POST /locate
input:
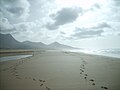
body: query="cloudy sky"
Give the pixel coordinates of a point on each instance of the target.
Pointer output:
(79, 23)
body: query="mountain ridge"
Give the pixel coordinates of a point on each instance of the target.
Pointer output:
(35, 44)
(57, 45)
(7, 41)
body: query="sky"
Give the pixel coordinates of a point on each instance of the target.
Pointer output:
(80, 23)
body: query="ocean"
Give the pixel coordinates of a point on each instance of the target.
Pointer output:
(103, 52)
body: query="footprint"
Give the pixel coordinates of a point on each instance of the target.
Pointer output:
(83, 68)
(91, 80)
(85, 74)
(34, 79)
(29, 77)
(15, 72)
(80, 72)
(41, 84)
(16, 75)
(43, 80)
(80, 69)
(93, 84)
(104, 87)
(40, 80)
(26, 78)
(18, 78)
(84, 62)
(85, 77)
(47, 88)
(4, 70)
(83, 65)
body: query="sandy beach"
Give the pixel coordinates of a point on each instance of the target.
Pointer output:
(61, 70)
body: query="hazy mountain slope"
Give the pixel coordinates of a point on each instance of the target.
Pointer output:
(35, 44)
(7, 41)
(57, 45)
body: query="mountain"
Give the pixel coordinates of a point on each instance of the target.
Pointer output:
(56, 45)
(35, 44)
(8, 42)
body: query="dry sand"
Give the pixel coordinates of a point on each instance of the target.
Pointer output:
(59, 70)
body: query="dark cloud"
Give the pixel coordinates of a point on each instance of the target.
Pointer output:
(117, 2)
(115, 11)
(27, 28)
(51, 26)
(5, 25)
(64, 16)
(22, 27)
(95, 31)
(101, 26)
(62, 33)
(83, 33)
(39, 9)
(15, 10)
(95, 6)
(22, 15)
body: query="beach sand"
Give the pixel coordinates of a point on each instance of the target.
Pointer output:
(61, 70)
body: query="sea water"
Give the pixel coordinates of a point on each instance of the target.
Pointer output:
(103, 52)
(6, 58)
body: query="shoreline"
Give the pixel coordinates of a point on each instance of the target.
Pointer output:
(61, 70)
(15, 52)
(99, 54)
(4, 53)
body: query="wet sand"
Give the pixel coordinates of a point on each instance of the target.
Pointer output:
(15, 52)
(61, 70)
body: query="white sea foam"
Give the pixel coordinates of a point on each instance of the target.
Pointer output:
(104, 52)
